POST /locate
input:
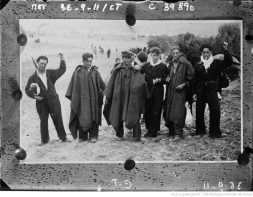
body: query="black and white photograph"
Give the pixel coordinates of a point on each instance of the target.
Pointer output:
(99, 91)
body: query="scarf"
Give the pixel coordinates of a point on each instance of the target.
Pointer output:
(128, 66)
(208, 62)
(154, 64)
(87, 67)
(175, 65)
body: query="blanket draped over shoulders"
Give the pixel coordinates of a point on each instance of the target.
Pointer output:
(85, 91)
(126, 98)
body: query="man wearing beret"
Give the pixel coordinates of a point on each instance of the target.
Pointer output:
(85, 92)
(125, 93)
(40, 86)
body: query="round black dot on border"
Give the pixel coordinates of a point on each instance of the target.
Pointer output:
(22, 39)
(20, 154)
(237, 2)
(130, 20)
(129, 164)
(249, 37)
(243, 159)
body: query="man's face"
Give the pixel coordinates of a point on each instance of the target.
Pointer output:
(88, 62)
(176, 55)
(137, 61)
(42, 65)
(165, 57)
(206, 53)
(155, 57)
(127, 60)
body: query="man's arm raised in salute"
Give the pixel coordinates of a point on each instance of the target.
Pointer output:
(57, 73)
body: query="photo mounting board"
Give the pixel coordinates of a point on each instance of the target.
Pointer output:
(167, 176)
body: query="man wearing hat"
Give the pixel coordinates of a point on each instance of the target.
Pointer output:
(85, 91)
(125, 93)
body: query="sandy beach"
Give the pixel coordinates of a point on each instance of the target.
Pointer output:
(108, 149)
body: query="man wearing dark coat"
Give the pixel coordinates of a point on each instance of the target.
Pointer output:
(155, 75)
(85, 91)
(205, 89)
(125, 94)
(40, 86)
(180, 74)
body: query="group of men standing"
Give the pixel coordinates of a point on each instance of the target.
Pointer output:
(135, 87)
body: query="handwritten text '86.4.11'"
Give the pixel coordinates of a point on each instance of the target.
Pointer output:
(91, 7)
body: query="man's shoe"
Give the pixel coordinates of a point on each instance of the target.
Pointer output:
(93, 140)
(138, 139)
(200, 134)
(82, 140)
(177, 138)
(171, 135)
(181, 135)
(42, 143)
(216, 136)
(65, 140)
(153, 135)
(120, 138)
(147, 135)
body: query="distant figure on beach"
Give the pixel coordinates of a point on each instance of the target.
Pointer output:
(117, 62)
(95, 51)
(109, 53)
(101, 50)
(41, 87)
(85, 91)
(125, 93)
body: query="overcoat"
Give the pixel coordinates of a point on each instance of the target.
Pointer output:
(174, 105)
(85, 91)
(126, 97)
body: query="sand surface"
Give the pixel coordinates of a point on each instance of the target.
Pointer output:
(72, 39)
(108, 148)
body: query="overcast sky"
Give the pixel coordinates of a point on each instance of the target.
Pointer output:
(119, 27)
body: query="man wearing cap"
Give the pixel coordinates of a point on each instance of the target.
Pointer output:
(40, 86)
(180, 74)
(85, 91)
(125, 94)
(155, 74)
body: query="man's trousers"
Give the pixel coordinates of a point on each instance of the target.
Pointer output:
(136, 130)
(52, 107)
(209, 96)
